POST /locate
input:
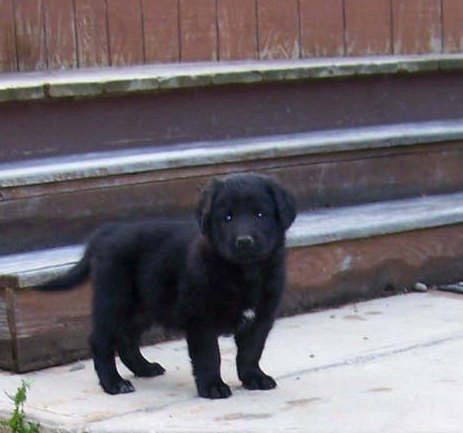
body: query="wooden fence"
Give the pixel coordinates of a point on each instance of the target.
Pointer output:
(52, 34)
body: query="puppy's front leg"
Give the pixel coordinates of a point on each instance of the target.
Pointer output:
(203, 348)
(250, 342)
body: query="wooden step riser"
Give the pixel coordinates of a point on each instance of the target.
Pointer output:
(36, 129)
(56, 214)
(48, 329)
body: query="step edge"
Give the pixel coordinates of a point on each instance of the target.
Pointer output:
(434, 211)
(92, 82)
(142, 160)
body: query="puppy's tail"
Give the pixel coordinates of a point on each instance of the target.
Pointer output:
(76, 275)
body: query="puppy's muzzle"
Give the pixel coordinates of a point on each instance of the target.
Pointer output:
(244, 242)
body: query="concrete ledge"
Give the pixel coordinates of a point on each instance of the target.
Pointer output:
(376, 219)
(310, 229)
(75, 167)
(388, 365)
(97, 82)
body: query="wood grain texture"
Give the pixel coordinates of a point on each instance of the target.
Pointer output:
(60, 33)
(452, 19)
(30, 35)
(92, 33)
(278, 29)
(417, 26)
(160, 30)
(8, 59)
(322, 28)
(7, 355)
(237, 26)
(343, 271)
(198, 30)
(368, 27)
(125, 32)
(51, 328)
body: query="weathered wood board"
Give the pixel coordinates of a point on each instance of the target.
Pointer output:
(68, 34)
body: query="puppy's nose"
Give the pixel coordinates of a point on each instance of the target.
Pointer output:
(244, 242)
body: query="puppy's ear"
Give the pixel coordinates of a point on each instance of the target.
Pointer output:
(203, 210)
(285, 204)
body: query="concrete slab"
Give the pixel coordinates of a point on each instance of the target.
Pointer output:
(128, 79)
(387, 365)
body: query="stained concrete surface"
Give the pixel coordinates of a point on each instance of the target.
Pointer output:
(387, 365)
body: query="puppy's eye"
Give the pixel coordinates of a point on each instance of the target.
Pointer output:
(228, 217)
(259, 214)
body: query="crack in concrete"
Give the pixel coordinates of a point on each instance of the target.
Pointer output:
(363, 359)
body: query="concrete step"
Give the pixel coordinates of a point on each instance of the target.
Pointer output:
(387, 365)
(334, 255)
(323, 169)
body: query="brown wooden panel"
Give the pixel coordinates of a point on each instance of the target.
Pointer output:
(278, 29)
(92, 33)
(90, 125)
(368, 27)
(452, 18)
(160, 26)
(30, 35)
(322, 28)
(8, 61)
(60, 33)
(417, 26)
(7, 358)
(359, 269)
(51, 328)
(125, 32)
(198, 30)
(237, 29)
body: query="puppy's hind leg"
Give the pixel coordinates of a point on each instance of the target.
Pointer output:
(110, 291)
(105, 367)
(129, 352)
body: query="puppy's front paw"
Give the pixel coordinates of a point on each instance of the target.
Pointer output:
(258, 380)
(216, 389)
(120, 387)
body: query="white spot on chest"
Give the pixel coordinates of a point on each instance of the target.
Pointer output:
(248, 315)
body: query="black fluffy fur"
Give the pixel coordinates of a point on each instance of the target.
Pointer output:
(224, 277)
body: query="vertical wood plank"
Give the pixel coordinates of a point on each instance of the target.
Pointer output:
(368, 27)
(322, 28)
(452, 18)
(198, 30)
(60, 33)
(125, 32)
(30, 35)
(278, 24)
(237, 29)
(92, 36)
(160, 24)
(417, 26)
(8, 61)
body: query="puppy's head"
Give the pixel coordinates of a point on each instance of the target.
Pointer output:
(245, 216)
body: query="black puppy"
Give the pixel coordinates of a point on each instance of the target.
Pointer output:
(226, 277)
